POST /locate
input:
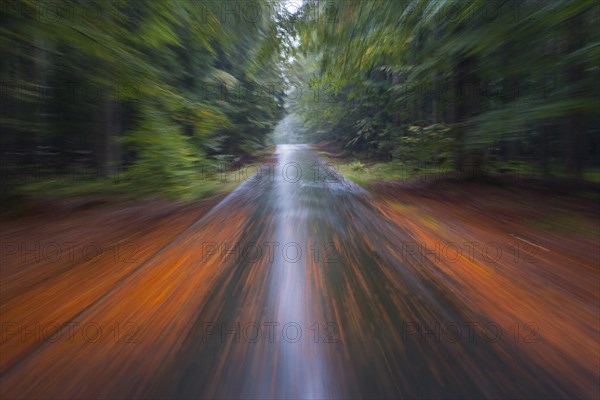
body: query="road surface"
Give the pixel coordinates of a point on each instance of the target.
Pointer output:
(293, 286)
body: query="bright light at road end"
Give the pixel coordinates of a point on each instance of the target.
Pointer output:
(292, 5)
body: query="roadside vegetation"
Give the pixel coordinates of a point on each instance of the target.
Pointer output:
(130, 98)
(482, 88)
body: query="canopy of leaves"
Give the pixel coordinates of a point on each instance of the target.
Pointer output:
(165, 86)
(484, 73)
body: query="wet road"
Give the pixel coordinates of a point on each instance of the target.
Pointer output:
(294, 286)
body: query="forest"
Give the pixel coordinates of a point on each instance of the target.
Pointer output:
(299, 199)
(155, 89)
(163, 90)
(468, 84)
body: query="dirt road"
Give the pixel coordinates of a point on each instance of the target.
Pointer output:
(298, 284)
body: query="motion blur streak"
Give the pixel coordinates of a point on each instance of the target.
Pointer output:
(375, 297)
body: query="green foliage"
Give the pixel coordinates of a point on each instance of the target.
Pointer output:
(159, 86)
(431, 80)
(431, 144)
(356, 166)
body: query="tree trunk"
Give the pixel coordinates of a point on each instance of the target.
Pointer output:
(437, 102)
(575, 131)
(107, 147)
(467, 105)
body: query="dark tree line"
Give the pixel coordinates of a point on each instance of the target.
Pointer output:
(465, 83)
(166, 86)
